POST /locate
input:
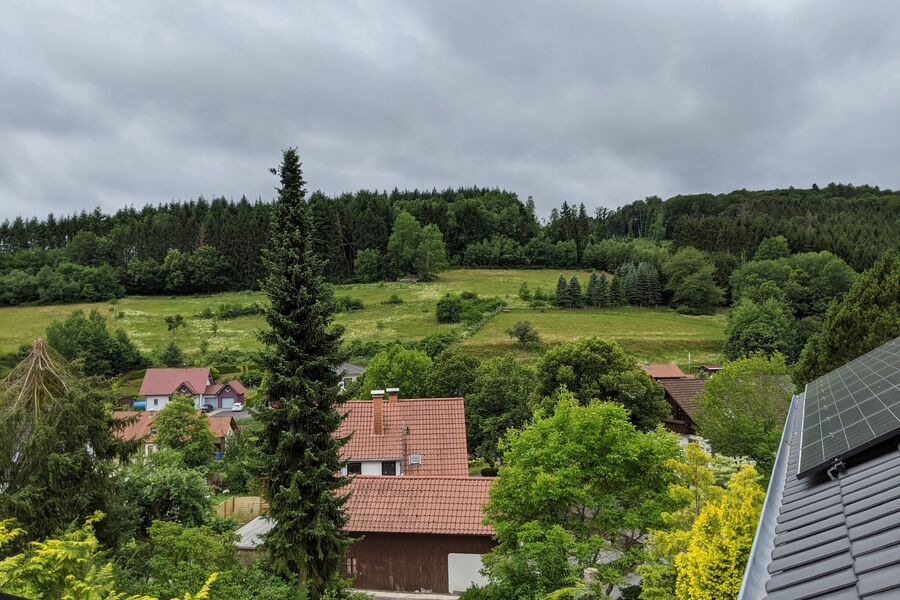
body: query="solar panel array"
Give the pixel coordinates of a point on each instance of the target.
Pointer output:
(851, 409)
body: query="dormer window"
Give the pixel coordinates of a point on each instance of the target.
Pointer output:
(354, 468)
(388, 468)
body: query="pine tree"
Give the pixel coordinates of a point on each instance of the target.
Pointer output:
(617, 292)
(300, 463)
(574, 293)
(603, 291)
(593, 289)
(172, 356)
(562, 292)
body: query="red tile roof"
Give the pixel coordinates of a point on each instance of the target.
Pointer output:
(436, 429)
(137, 430)
(435, 505)
(221, 425)
(663, 370)
(141, 428)
(162, 382)
(685, 393)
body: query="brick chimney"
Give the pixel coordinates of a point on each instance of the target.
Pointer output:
(377, 418)
(393, 394)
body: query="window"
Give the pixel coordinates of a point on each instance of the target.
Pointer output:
(354, 468)
(389, 468)
(156, 402)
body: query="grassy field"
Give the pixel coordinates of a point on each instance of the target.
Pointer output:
(650, 334)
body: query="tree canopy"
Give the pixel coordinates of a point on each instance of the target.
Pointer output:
(595, 369)
(868, 316)
(575, 484)
(743, 408)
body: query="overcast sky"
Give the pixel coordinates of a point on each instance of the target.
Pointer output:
(126, 102)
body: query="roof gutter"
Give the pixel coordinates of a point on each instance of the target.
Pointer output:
(756, 574)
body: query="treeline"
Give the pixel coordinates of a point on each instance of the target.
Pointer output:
(201, 246)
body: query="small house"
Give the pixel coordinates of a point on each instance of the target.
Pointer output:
(159, 385)
(142, 428)
(393, 436)
(348, 373)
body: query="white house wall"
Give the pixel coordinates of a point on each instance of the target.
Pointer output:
(156, 402)
(463, 570)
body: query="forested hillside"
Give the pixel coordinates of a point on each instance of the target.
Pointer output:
(206, 246)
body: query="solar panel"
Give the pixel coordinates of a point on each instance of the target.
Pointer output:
(851, 409)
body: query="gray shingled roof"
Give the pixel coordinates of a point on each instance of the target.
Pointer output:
(819, 538)
(349, 369)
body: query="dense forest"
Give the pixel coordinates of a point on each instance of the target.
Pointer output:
(206, 246)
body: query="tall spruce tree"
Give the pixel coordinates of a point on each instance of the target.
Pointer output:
(562, 292)
(593, 288)
(574, 293)
(603, 290)
(300, 464)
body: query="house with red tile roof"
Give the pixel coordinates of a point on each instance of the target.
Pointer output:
(415, 511)
(414, 533)
(140, 427)
(414, 437)
(158, 386)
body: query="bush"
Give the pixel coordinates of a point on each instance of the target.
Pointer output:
(394, 299)
(449, 309)
(251, 378)
(467, 295)
(232, 311)
(476, 593)
(695, 310)
(434, 344)
(346, 304)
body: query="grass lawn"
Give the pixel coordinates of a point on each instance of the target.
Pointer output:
(658, 335)
(649, 334)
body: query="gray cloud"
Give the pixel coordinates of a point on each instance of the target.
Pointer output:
(115, 103)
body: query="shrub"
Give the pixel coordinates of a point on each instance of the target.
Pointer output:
(394, 299)
(346, 304)
(467, 295)
(251, 378)
(434, 344)
(232, 311)
(449, 309)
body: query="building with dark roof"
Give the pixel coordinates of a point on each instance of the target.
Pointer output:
(683, 398)
(830, 525)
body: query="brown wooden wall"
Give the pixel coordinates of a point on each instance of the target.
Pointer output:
(407, 562)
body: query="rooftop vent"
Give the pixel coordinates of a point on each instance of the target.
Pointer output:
(415, 459)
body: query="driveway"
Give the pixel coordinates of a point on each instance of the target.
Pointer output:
(238, 416)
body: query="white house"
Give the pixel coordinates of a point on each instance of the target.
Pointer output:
(159, 385)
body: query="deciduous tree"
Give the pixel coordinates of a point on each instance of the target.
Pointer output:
(868, 316)
(499, 401)
(576, 485)
(744, 406)
(594, 369)
(398, 367)
(180, 426)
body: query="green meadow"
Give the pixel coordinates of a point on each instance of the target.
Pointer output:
(652, 334)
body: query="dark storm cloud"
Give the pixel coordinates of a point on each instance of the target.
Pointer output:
(115, 103)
